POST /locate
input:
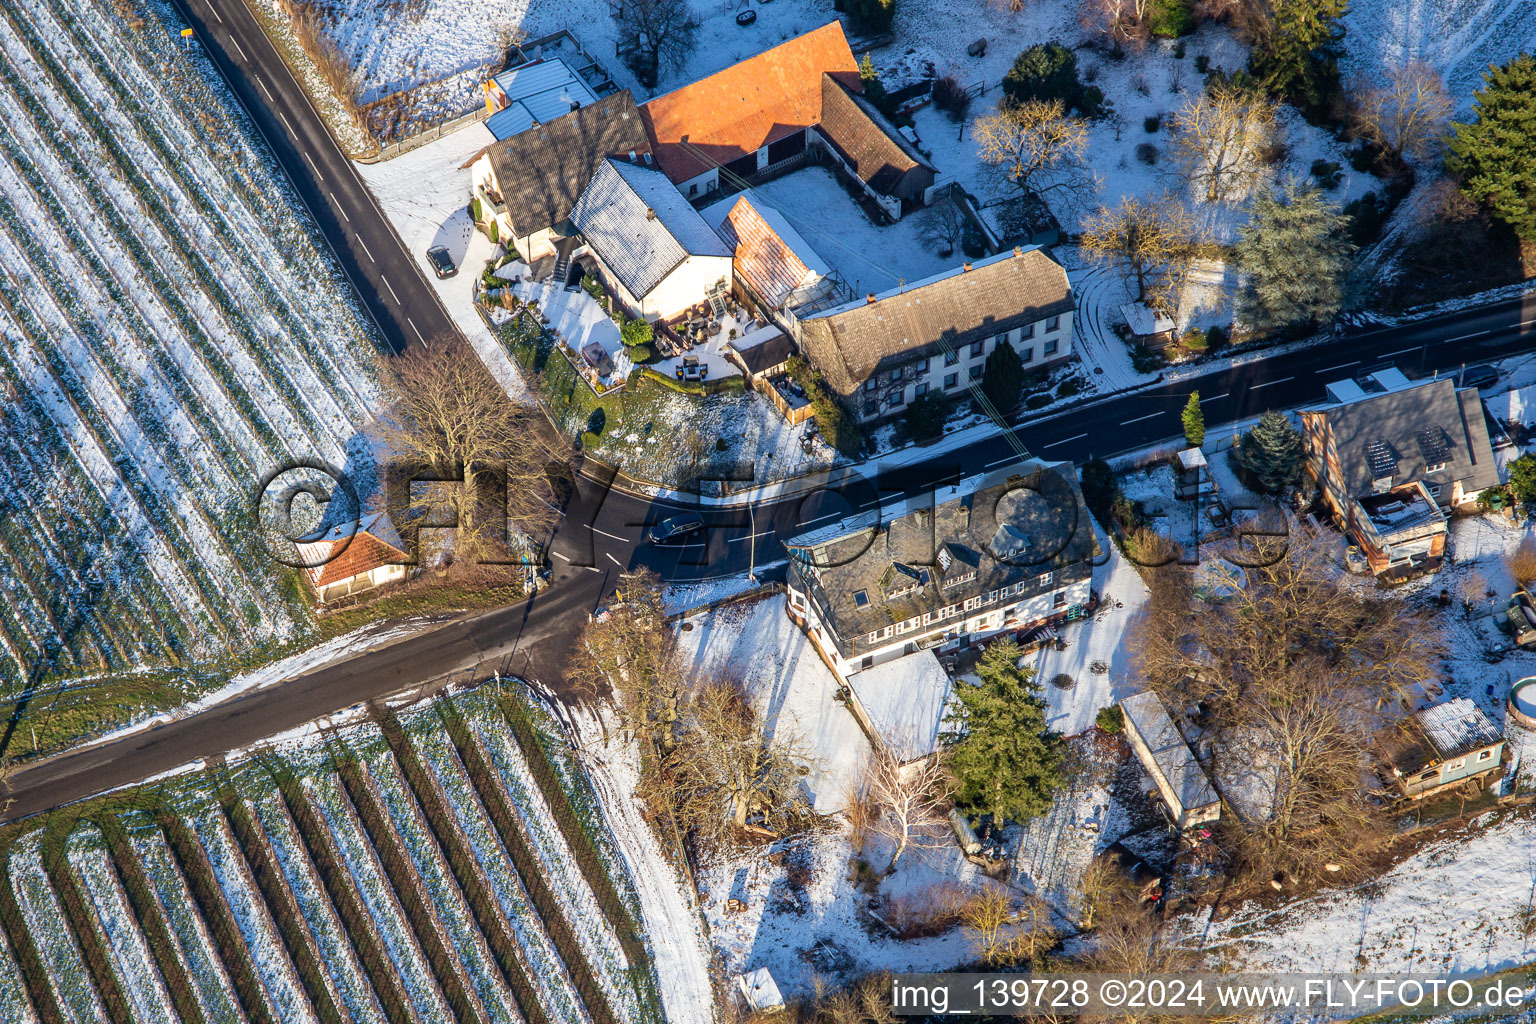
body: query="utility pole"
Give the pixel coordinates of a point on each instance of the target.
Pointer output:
(751, 543)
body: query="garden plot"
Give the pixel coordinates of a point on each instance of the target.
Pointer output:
(378, 897)
(161, 354)
(546, 971)
(212, 990)
(268, 956)
(560, 870)
(442, 891)
(15, 1007)
(56, 946)
(137, 973)
(337, 956)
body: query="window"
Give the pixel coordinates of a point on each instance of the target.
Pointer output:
(975, 372)
(919, 390)
(977, 348)
(870, 384)
(950, 380)
(972, 603)
(1045, 579)
(1483, 755)
(1434, 490)
(991, 596)
(693, 189)
(1050, 347)
(951, 357)
(1427, 776)
(860, 598)
(1061, 599)
(899, 398)
(921, 366)
(896, 375)
(1053, 323)
(1027, 331)
(867, 662)
(1437, 467)
(1027, 356)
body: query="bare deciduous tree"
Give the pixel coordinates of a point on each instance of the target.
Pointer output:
(1409, 116)
(726, 771)
(449, 420)
(1119, 21)
(912, 801)
(1295, 673)
(1154, 244)
(1521, 562)
(653, 33)
(1129, 940)
(1036, 148)
(940, 225)
(1002, 934)
(1220, 138)
(633, 649)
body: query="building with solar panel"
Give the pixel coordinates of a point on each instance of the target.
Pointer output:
(1391, 456)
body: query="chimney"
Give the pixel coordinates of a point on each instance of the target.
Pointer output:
(966, 266)
(869, 298)
(650, 214)
(575, 104)
(1018, 251)
(632, 157)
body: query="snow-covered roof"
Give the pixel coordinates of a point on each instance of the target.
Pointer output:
(1457, 727)
(640, 225)
(1517, 406)
(1144, 321)
(1174, 760)
(537, 93)
(1192, 458)
(905, 701)
(761, 990)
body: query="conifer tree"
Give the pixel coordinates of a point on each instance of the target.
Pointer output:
(1272, 451)
(1005, 761)
(1294, 252)
(1003, 377)
(1493, 153)
(1296, 53)
(1194, 421)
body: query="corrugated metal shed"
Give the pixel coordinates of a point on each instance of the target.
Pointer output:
(1457, 727)
(640, 225)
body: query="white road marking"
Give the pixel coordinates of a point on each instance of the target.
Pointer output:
(284, 119)
(1064, 440)
(1330, 369)
(216, 13)
(591, 568)
(1267, 383)
(615, 561)
(236, 43)
(391, 289)
(1138, 419)
(1414, 348)
(738, 540)
(605, 533)
(416, 329)
(1213, 398)
(563, 558)
(1475, 334)
(1525, 322)
(311, 161)
(338, 206)
(266, 90)
(1001, 462)
(365, 247)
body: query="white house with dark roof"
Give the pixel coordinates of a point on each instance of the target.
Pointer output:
(652, 249)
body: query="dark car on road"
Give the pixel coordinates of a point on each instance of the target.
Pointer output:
(1479, 376)
(441, 262)
(677, 529)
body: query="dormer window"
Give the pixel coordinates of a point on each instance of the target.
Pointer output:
(860, 599)
(1435, 468)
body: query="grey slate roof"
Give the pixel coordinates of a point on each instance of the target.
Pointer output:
(640, 225)
(1395, 429)
(853, 341)
(543, 170)
(911, 560)
(1170, 753)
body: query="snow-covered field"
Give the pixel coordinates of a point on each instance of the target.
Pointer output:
(173, 330)
(43, 916)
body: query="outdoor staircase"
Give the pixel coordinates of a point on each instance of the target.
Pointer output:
(562, 265)
(717, 304)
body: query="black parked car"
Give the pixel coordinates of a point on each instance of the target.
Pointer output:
(677, 529)
(1479, 376)
(440, 262)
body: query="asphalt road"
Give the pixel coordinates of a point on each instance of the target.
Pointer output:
(602, 529)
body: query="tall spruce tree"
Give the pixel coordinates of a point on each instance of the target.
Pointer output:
(1492, 155)
(1272, 451)
(1296, 53)
(1005, 761)
(1294, 252)
(1003, 377)
(1194, 421)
